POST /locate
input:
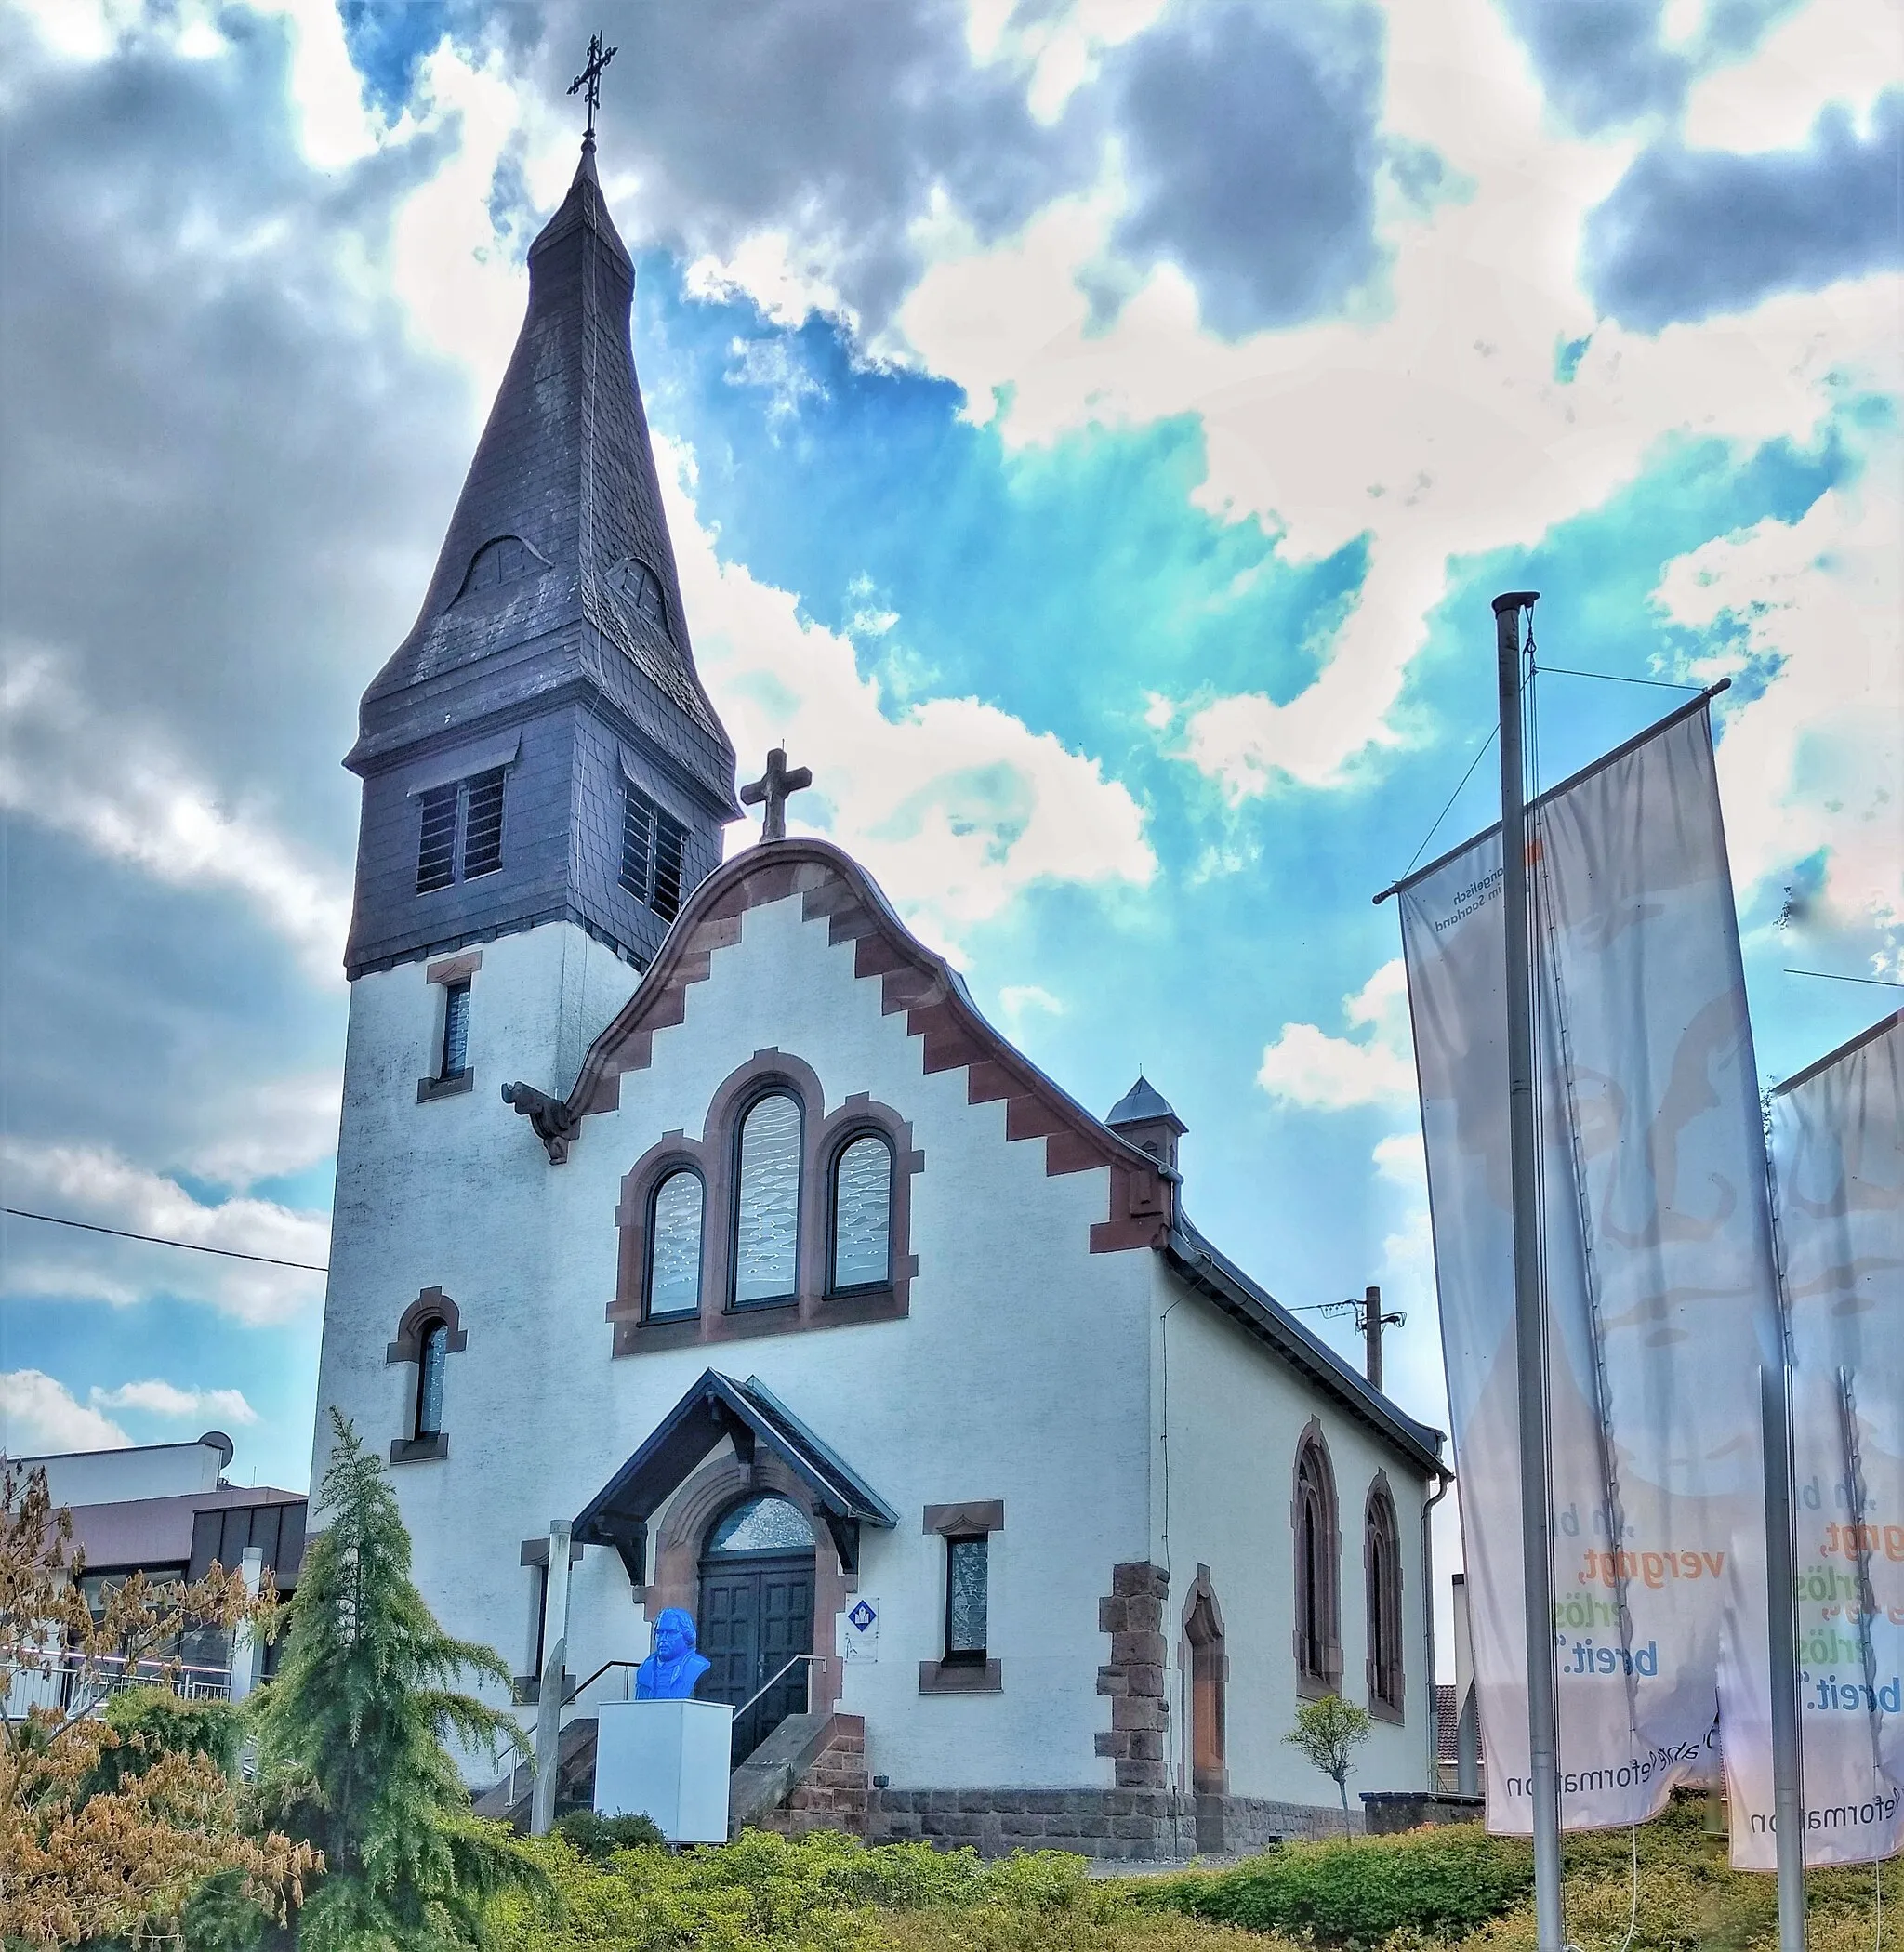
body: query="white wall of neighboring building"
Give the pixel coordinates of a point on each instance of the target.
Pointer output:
(1234, 1411)
(1020, 1374)
(111, 1477)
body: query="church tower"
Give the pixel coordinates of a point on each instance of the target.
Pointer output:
(539, 750)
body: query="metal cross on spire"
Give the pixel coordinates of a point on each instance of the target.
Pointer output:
(589, 82)
(770, 792)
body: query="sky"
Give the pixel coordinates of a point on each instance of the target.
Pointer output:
(1094, 432)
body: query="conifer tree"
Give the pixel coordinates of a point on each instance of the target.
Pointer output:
(351, 1738)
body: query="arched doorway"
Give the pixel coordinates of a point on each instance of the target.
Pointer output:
(757, 1613)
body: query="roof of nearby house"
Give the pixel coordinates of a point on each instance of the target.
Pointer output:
(1446, 1723)
(158, 1531)
(1248, 1301)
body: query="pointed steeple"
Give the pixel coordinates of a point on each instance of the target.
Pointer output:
(557, 582)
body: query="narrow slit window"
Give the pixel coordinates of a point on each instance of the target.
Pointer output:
(455, 1030)
(430, 1369)
(863, 1213)
(766, 1232)
(968, 1579)
(482, 825)
(436, 851)
(674, 1247)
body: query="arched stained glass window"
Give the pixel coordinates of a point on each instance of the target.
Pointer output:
(674, 1247)
(1383, 1570)
(766, 1216)
(763, 1524)
(1318, 1637)
(435, 1344)
(863, 1213)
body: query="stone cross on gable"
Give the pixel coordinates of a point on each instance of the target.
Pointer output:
(590, 79)
(771, 791)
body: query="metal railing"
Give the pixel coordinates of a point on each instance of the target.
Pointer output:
(633, 1666)
(64, 1682)
(795, 1662)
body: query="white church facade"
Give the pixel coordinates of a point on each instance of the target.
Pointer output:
(692, 1204)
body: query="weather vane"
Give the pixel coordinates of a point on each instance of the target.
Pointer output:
(589, 82)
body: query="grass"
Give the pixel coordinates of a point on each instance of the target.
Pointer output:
(1453, 1888)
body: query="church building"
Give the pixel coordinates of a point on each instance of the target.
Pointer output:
(689, 1211)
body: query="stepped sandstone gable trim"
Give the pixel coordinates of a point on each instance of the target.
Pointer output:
(911, 978)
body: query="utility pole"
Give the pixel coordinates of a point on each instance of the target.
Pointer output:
(1370, 1320)
(1530, 1302)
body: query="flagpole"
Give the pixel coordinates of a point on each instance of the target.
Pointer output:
(1529, 1304)
(1775, 1381)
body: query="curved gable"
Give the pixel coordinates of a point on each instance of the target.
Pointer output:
(835, 888)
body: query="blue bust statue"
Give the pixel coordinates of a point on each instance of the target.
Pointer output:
(670, 1673)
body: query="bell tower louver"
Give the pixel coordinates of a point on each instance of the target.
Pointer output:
(540, 748)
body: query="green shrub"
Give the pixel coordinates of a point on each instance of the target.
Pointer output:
(154, 1722)
(598, 1837)
(1440, 1884)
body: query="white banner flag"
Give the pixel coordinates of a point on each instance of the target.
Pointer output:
(1659, 1284)
(1838, 1148)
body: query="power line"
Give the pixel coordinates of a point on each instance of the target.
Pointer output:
(159, 1240)
(1658, 684)
(1883, 983)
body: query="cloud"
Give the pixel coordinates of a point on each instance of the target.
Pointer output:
(954, 805)
(1308, 1068)
(1604, 63)
(1846, 51)
(1812, 613)
(39, 1417)
(1435, 431)
(145, 812)
(163, 1399)
(251, 1133)
(1691, 232)
(1018, 1001)
(226, 451)
(1249, 141)
(859, 121)
(89, 1182)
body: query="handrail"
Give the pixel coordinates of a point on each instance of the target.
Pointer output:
(742, 1709)
(774, 1682)
(599, 1673)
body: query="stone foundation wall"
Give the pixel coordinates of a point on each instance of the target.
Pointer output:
(832, 1794)
(1392, 1810)
(1147, 1825)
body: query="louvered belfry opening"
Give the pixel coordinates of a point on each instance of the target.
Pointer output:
(653, 851)
(540, 748)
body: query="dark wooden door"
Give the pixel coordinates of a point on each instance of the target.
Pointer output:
(755, 1615)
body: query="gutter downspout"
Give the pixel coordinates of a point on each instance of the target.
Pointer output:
(1445, 1479)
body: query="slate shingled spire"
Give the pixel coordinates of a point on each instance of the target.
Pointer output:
(554, 618)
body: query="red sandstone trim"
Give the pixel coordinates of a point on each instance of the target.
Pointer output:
(912, 979)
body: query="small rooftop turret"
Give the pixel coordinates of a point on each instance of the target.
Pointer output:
(1144, 1116)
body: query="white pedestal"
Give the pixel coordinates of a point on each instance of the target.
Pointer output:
(667, 1760)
